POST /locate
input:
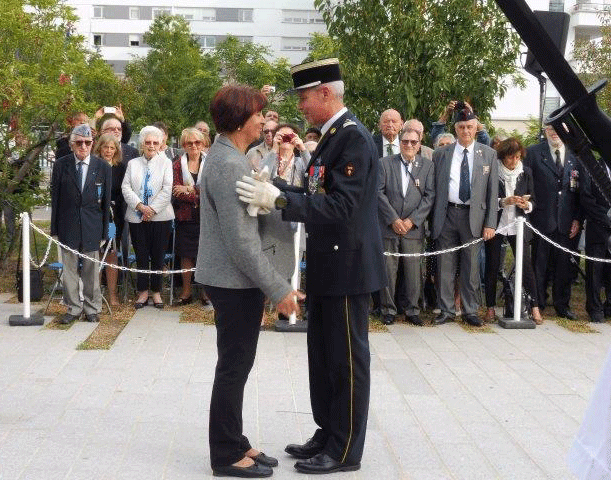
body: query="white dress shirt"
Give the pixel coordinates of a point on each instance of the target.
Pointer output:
(394, 144)
(457, 157)
(85, 169)
(562, 151)
(404, 174)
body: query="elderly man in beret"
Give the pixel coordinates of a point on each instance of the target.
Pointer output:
(466, 205)
(80, 201)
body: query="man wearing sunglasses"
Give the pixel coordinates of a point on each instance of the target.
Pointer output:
(259, 152)
(405, 198)
(80, 201)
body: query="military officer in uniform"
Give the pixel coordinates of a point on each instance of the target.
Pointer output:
(340, 210)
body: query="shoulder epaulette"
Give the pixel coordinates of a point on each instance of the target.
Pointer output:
(348, 122)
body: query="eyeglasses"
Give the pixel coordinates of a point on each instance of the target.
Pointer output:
(80, 143)
(151, 142)
(112, 129)
(268, 131)
(413, 143)
(192, 144)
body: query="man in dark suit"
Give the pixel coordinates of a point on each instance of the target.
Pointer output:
(466, 205)
(405, 197)
(345, 264)
(557, 215)
(387, 141)
(80, 201)
(598, 231)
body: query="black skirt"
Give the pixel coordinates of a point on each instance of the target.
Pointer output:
(187, 239)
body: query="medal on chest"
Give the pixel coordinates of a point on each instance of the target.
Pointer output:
(316, 179)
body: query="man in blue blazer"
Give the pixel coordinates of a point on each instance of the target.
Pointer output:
(80, 201)
(345, 264)
(557, 214)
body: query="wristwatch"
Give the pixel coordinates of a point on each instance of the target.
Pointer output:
(281, 201)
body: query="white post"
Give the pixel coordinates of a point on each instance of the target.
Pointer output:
(25, 229)
(517, 291)
(295, 277)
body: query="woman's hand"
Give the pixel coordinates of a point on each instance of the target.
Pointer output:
(288, 304)
(298, 143)
(178, 190)
(276, 142)
(147, 212)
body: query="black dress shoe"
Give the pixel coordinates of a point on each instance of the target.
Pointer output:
(443, 318)
(138, 305)
(597, 317)
(567, 314)
(307, 450)
(323, 463)
(92, 317)
(67, 318)
(473, 319)
(183, 301)
(263, 459)
(254, 471)
(414, 319)
(388, 319)
(158, 305)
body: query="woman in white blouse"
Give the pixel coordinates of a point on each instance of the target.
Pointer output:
(147, 189)
(516, 197)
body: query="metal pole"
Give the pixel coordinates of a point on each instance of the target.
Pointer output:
(295, 277)
(25, 319)
(517, 296)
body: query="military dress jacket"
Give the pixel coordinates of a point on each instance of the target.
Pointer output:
(340, 212)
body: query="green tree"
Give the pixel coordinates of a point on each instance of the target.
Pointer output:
(321, 45)
(173, 62)
(247, 63)
(417, 55)
(594, 60)
(44, 69)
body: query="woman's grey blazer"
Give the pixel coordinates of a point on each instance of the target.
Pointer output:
(230, 253)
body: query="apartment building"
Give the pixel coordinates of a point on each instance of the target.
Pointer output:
(116, 29)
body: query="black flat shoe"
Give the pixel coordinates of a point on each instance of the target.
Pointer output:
(183, 301)
(254, 471)
(263, 459)
(158, 305)
(138, 305)
(323, 463)
(307, 450)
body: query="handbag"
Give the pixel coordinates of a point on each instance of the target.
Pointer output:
(36, 275)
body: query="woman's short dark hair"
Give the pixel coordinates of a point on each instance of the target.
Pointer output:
(314, 130)
(295, 128)
(510, 147)
(232, 105)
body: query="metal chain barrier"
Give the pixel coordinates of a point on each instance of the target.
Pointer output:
(449, 250)
(564, 249)
(44, 258)
(105, 264)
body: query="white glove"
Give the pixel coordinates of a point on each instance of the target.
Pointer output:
(257, 193)
(263, 176)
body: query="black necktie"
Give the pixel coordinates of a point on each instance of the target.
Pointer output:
(464, 189)
(558, 163)
(79, 175)
(389, 150)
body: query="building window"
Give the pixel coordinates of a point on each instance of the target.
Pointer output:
(295, 44)
(161, 11)
(134, 40)
(302, 16)
(197, 14)
(234, 14)
(556, 5)
(98, 39)
(134, 13)
(207, 41)
(98, 11)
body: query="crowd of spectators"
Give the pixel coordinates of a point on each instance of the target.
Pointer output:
(459, 190)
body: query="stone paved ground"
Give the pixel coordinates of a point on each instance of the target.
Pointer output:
(445, 403)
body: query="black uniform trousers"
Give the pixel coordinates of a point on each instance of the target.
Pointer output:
(338, 358)
(598, 276)
(150, 241)
(547, 259)
(238, 315)
(493, 265)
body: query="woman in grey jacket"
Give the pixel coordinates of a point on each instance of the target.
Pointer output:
(237, 276)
